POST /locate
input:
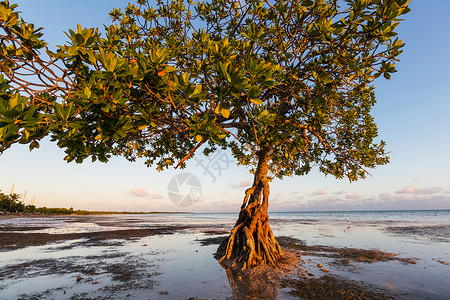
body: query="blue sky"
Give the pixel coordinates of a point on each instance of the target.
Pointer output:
(413, 115)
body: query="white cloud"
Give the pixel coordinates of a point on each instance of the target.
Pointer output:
(243, 184)
(319, 193)
(339, 192)
(384, 201)
(138, 192)
(353, 196)
(326, 202)
(156, 196)
(385, 197)
(417, 191)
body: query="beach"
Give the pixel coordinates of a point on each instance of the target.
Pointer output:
(328, 255)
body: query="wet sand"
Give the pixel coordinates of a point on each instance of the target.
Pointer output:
(171, 257)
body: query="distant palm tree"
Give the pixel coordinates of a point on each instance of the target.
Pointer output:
(10, 202)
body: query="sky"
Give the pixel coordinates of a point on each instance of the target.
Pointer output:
(412, 114)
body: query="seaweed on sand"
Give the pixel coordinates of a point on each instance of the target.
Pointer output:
(333, 287)
(342, 255)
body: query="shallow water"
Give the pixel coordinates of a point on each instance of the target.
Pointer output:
(178, 266)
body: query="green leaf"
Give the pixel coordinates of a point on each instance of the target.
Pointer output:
(197, 90)
(169, 69)
(34, 144)
(217, 109)
(87, 92)
(256, 101)
(29, 112)
(351, 77)
(225, 112)
(69, 110)
(59, 110)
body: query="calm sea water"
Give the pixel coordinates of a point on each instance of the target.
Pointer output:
(378, 215)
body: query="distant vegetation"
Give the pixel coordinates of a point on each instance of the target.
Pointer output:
(12, 204)
(65, 211)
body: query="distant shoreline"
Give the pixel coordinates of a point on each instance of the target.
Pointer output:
(85, 213)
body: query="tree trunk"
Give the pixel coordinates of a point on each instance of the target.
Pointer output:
(251, 241)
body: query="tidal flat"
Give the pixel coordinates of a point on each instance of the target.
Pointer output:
(345, 255)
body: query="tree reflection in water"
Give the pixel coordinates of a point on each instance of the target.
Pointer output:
(262, 282)
(252, 286)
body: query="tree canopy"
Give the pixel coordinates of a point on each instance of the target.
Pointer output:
(162, 81)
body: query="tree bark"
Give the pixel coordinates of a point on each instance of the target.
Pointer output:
(251, 241)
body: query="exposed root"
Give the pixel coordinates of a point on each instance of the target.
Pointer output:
(251, 241)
